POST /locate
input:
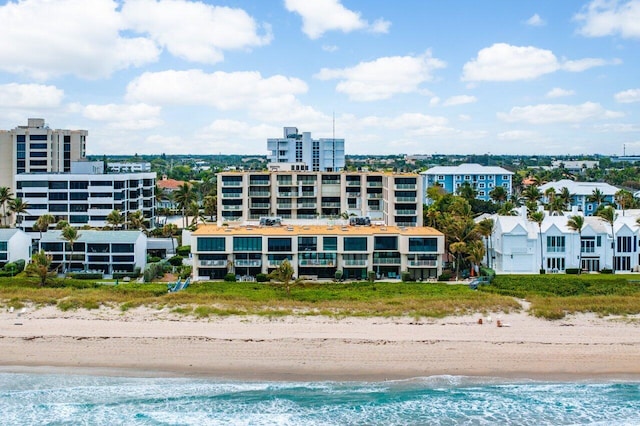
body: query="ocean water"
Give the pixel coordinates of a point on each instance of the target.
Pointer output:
(62, 399)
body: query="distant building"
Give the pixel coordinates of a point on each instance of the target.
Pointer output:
(14, 245)
(317, 251)
(85, 198)
(481, 178)
(389, 198)
(581, 192)
(326, 154)
(573, 166)
(168, 186)
(129, 167)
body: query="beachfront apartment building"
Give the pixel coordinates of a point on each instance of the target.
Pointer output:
(483, 179)
(324, 154)
(394, 199)
(317, 251)
(104, 251)
(85, 198)
(14, 245)
(36, 148)
(581, 193)
(118, 167)
(518, 245)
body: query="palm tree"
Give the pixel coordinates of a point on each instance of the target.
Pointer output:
(596, 197)
(475, 254)
(62, 224)
(39, 267)
(485, 228)
(576, 223)
(532, 193)
(556, 207)
(70, 234)
(284, 274)
(566, 196)
(507, 209)
(115, 219)
(538, 217)
(458, 249)
(624, 199)
(167, 231)
(137, 221)
(466, 191)
(5, 196)
(18, 207)
(498, 194)
(609, 215)
(43, 222)
(210, 206)
(183, 196)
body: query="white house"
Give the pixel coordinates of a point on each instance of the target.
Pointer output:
(14, 245)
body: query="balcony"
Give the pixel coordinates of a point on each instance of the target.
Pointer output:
(228, 208)
(248, 263)
(405, 199)
(422, 263)
(353, 194)
(354, 262)
(308, 205)
(374, 196)
(216, 263)
(405, 186)
(259, 183)
(386, 261)
(331, 204)
(288, 194)
(259, 193)
(353, 183)
(230, 183)
(232, 195)
(374, 184)
(260, 205)
(308, 194)
(406, 212)
(316, 262)
(275, 263)
(285, 205)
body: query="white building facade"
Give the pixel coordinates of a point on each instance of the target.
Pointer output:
(14, 245)
(325, 154)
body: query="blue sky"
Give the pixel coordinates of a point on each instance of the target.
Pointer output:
(410, 76)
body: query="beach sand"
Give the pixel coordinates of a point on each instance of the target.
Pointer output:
(148, 341)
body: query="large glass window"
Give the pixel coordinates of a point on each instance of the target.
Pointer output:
(58, 196)
(37, 137)
(51, 246)
(122, 248)
(247, 243)
(330, 243)
(307, 244)
(423, 244)
(555, 244)
(279, 244)
(211, 244)
(3, 246)
(625, 244)
(58, 185)
(385, 243)
(355, 244)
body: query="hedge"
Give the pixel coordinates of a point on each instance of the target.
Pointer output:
(86, 275)
(183, 251)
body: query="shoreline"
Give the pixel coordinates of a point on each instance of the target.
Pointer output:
(157, 343)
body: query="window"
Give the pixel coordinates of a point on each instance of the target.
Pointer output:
(385, 243)
(505, 185)
(330, 243)
(481, 177)
(211, 244)
(58, 196)
(440, 177)
(307, 244)
(355, 244)
(37, 137)
(589, 207)
(481, 185)
(555, 244)
(505, 177)
(247, 243)
(481, 193)
(38, 154)
(279, 244)
(423, 244)
(588, 245)
(79, 185)
(3, 246)
(467, 177)
(57, 208)
(58, 185)
(78, 219)
(51, 247)
(625, 244)
(122, 248)
(622, 263)
(78, 196)
(556, 263)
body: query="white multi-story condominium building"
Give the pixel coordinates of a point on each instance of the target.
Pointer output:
(85, 198)
(518, 245)
(104, 251)
(36, 148)
(582, 193)
(317, 251)
(14, 245)
(481, 178)
(390, 198)
(325, 154)
(128, 167)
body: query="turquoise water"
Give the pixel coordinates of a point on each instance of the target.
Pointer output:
(57, 399)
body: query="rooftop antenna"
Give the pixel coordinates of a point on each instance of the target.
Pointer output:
(624, 149)
(334, 142)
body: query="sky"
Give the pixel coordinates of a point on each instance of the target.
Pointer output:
(492, 77)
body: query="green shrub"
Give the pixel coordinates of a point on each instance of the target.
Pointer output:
(86, 275)
(153, 259)
(262, 278)
(185, 271)
(446, 276)
(176, 260)
(572, 271)
(606, 271)
(338, 275)
(152, 271)
(406, 276)
(371, 276)
(230, 278)
(183, 251)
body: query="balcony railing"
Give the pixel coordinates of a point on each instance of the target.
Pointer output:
(260, 205)
(259, 183)
(353, 183)
(232, 183)
(331, 204)
(307, 205)
(308, 194)
(353, 194)
(355, 262)
(251, 263)
(232, 195)
(217, 263)
(405, 199)
(231, 207)
(316, 262)
(386, 261)
(259, 193)
(405, 186)
(422, 263)
(374, 196)
(285, 205)
(406, 212)
(374, 184)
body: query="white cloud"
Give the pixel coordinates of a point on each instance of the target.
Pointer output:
(320, 16)
(517, 135)
(617, 127)
(434, 101)
(602, 18)
(206, 30)
(26, 96)
(558, 113)
(558, 92)
(330, 48)
(383, 77)
(504, 62)
(460, 100)
(44, 39)
(222, 90)
(127, 117)
(535, 21)
(628, 96)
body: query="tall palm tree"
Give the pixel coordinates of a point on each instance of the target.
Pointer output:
(18, 207)
(566, 196)
(62, 224)
(137, 221)
(609, 215)
(42, 224)
(210, 206)
(507, 209)
(624, 199)
(498, 194)
(115, 219)
(532, 193)
(475, 254)
(183, 196)
(596, 197)
(538, 217)
(167, 231)
(457, 249)
(466, 191)
(485, 228)
(70, 234)
(576, 223)
(5, 196)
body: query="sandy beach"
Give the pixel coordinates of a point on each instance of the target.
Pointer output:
(150, 341)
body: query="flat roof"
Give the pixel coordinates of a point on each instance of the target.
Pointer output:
(295, 230)
(92, 236)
